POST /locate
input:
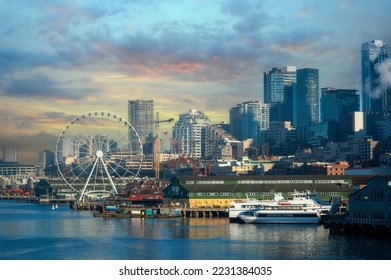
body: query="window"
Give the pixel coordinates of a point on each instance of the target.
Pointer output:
(213, 194)
(252, 194)
(225, 194)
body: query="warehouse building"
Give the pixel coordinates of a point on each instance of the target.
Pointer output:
(220, 191)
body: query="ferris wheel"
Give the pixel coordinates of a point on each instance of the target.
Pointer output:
(97, 152)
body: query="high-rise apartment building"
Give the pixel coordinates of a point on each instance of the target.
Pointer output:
(306, 98)
(141, 117)
(187, 131)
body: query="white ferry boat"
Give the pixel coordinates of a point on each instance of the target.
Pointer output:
(303, 208)
(240, 206)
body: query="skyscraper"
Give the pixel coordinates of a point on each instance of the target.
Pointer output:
(278, 92)
(306, 98)
(141, 117)
(338, 107)
(375, 95)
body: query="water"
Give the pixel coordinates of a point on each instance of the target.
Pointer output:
(36, 232)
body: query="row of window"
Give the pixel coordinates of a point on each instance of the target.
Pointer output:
(251, 182)
(250, 194)
(374, 197)
(379, 216)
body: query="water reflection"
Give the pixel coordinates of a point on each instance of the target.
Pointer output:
(37, 232)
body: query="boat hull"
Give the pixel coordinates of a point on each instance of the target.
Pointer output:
(281, 220)
(281, 217)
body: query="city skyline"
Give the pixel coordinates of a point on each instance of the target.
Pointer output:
(62, 60)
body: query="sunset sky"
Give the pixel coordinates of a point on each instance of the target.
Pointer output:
(60, 59)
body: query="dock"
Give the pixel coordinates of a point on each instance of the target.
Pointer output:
(40, 200)
(348, 225)
(159, 212)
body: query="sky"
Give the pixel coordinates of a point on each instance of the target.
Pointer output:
(61, 59)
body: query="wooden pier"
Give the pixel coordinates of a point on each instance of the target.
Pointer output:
(205, 212)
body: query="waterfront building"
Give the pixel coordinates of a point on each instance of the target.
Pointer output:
(371, 205)
(306, 98)
(221, 191)
(187, 132)
(338, 107)
(141, 117)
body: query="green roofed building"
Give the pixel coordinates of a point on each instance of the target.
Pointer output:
(220, 191)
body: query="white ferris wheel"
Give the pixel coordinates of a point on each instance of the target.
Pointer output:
(97, 152)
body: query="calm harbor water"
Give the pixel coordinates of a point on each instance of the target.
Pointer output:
(36, 232)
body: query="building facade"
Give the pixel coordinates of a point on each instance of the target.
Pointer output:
(141, 117)
(220, 145)
(306, 98)
(251, 118)
(374, 94)
(278, 91)
(221, 191)
(371, 204)
(188, 133)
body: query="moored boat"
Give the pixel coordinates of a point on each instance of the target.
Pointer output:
(304, 207)
(240, 206)
(282, 214)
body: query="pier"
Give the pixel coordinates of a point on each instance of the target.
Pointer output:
(348, 225)
(205, 212)
(40, 200)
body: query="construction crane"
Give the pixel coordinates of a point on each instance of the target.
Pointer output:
(156, 145)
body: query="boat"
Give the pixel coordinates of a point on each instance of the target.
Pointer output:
(304, 208)
(239, 206)
(53, 207)
(281, 214)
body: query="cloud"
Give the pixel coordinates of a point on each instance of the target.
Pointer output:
(383, 82)
(384, 70)
(12, 60)
(40, 86)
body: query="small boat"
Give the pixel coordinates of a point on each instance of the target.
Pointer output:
(56, 206)
(53, 207)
